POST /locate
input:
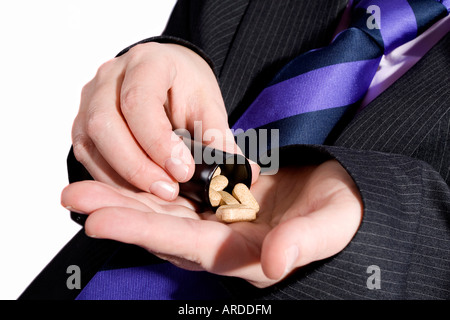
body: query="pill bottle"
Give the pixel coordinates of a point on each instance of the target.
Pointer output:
(235, 167)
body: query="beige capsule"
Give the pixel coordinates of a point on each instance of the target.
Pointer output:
(244, 196)
(218, 183)
(227, 198)
(217, 172)
(235, 213)
(214, 197)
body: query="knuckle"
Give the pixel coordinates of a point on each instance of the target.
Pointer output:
(195, 255)
(133, 173)
(105, 69)
(158, 145)
(86, 91)
(143, 50)
(135, 53)
(82, 147)
(131, 99)
(95, 123)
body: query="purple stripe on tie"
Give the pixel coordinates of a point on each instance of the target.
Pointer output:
(446, 3)
(328, 87)
(397, 21)
(162, 281)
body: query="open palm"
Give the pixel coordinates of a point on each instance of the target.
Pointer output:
(307, 214)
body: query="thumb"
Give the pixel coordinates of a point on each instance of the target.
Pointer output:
(290, 245)
(304, 239)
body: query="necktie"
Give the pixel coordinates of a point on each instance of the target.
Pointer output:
(319, 91)
(305, 101)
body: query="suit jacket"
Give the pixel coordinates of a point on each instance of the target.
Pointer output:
(397, 151)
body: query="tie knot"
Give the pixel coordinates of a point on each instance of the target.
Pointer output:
(391, 23)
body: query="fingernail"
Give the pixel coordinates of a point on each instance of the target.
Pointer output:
(177, 169)
(164, 190)
(73, 209)
(291, 255)
(92, 236)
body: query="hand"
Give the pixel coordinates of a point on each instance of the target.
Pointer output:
(307, 214)
(123, 133)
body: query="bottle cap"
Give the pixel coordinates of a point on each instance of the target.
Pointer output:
(235, 167)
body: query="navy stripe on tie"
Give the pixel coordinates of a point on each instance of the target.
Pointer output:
(310, 127)
(423, 11)
(322, 58)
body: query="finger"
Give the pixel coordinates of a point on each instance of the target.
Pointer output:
(88, 196)
(217, 134)
(256, 170)
(304, 239)
(114, 141)
(156, 232)
(143, 95)
(211, 245)
(208, 117)
(86, 153)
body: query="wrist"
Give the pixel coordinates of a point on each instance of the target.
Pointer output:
(172, 40)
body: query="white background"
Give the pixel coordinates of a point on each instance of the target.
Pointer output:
(49, 50)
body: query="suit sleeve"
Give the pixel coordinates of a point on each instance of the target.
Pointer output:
(405, 232)
(405, 229)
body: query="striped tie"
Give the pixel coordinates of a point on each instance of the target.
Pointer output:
(305, 102)
(319, 91)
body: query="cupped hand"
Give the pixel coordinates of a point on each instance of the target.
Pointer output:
(307, 214)
(124, 131)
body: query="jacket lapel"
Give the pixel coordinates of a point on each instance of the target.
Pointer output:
(270, 34)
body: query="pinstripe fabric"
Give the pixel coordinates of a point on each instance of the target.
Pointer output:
(217, 37)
